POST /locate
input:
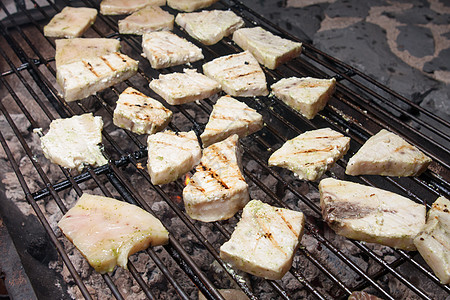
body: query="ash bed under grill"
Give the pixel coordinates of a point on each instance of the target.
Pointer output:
(326, 266)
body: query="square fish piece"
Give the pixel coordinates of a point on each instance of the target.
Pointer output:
(71, 22)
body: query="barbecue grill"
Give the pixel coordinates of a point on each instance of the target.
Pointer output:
(326, 266)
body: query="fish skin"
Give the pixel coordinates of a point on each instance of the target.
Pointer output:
(433, 243)
(370, 214)
(217, 190)
(125, 7)
(147, 19)
(265, 240)
(171, 155)
(239, 74)
(190, 5)
(108, 231)
(312, 153)
(306, 95)
(139, 113)
(269, 50)
(230, 116)
(387, 154)
(71, 22)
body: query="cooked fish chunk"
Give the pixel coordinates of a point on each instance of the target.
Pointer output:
(147, 19)
(140, 113)
(270, 50)
(239, 74)
(433, 242)
(228, 294)
(200, 26)
(74, 142)
(265, 240)
(108, 231)
(312, 153)
(125, 7)
(180, 88)
(72, 50)
(70, 22)
(189, 5)
(230, 116)
(86, 77)
(171, 155)
(165, 49)
(387, 154)
(306, 95)
(217, 190)
(370, 214)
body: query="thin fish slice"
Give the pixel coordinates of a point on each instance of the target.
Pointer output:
(70, 22)
(217, 190)
(108, 231)
(370, 214)
(230, 116)
(190, 5)
(147, 19)
(265, 240)
(125, 7)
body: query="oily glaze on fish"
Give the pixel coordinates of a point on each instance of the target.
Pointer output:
(312, 153)
(140, 113)
(217, 190)
(147, 19)
(387, 154)
(70, 22)
(265, 240)
(108, 231)
(171, 155)
(124, 7)
(189, 5)
(370, 214)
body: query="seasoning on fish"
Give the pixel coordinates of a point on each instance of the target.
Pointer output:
(433, 242)
(230, 116)
(125, 7)
(88, 76)
(370, 214)
(387, 154)
(198, 24)
(108, 231)
(190, 5)
(147, 19)
(268, 49)
(312, 153)
(239, 74)
(180, 88)
(74, 142)
(165, 49)
(265, 240)
(171, 155)
(140, 113)
(306, 95)
(217, 190)
(70, 22)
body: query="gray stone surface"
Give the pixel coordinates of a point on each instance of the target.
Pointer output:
(409, 37)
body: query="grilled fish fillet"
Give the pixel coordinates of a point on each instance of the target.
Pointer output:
(265, 240)
(74, 142)
(140, 113)
(433, 242)
(124, 7)
(180, 88)
(209, 27)
(83, 78)
(108, 231)
(370, 214)
(171, 155)
(387, 154)
(189, 5)
(165, 49)
(230, 116)
(217, 190)
(70, 22)
(270, 50)
(238, 74)
(147, 19)
(312, 153)
(72, 50)
(306, 95)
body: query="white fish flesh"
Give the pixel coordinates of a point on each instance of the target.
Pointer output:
(265, 240)
(108, 231)
(70, 22)
(190, 5)
(147, 19)
(370, 214)
(217, 190)
(312, 153)
(125, 7)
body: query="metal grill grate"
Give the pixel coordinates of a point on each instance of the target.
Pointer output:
(360, 107)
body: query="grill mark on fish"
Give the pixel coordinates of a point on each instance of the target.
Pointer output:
(90, 68)
(124, 59)
(173, 145)
(214, 175)
(268, 235)
(223, 159)
(327, 149)
(287, 222)
(107, 63)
